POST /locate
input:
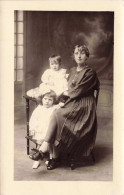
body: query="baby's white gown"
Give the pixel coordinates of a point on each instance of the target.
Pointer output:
(55, 80)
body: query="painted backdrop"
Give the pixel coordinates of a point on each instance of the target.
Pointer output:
(48, 33)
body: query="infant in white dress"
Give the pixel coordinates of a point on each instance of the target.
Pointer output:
(55, 78)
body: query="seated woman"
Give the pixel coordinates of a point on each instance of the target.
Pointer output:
(73, 127)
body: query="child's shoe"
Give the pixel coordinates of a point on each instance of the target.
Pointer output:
(37, 156)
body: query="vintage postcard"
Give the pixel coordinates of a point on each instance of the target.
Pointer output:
(61, 97)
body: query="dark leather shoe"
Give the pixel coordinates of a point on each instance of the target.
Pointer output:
(35, 150)
(36, 156)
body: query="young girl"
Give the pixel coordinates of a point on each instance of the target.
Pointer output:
(40, 117)
(55, 78)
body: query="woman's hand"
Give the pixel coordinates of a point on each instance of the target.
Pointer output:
(63, 97)
(59, 105)
(65, 93)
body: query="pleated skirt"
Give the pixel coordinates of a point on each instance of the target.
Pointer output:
(77, 126)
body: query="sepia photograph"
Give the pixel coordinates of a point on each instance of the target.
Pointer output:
(63, 95)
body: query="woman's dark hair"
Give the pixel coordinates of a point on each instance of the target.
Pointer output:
(82, 48)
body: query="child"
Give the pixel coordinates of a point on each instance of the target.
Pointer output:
(40, 117)
(55, 78)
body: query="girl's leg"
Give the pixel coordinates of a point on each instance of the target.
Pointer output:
(36, 164)
(51, 151)
(49, 138)
(55, 152)
(50, 154)
(51, 130)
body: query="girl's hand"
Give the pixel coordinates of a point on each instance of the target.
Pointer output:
(61, 104)
(32, 132)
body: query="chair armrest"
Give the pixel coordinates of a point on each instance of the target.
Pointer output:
(96, 94)
(29, 98)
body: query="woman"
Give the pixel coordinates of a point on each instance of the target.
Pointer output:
(73, 127)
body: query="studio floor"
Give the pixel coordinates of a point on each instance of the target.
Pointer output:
(101, 170)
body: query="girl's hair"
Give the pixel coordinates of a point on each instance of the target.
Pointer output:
(82, 48)
(50, 93)
(55, 58)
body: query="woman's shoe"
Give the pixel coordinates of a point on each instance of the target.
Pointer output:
(52, 164)
(37, 156)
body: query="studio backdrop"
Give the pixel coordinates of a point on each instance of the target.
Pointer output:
(57, 32)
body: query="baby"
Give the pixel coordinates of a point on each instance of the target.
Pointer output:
(55, 78)
(40, 117)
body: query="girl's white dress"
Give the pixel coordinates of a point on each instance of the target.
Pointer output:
(39, 121)
(55, 80)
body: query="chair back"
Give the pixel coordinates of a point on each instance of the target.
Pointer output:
(96, 94)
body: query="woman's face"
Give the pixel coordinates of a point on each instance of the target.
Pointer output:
(80, 56)
(47, 101)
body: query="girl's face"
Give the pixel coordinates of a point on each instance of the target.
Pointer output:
(54, 65)
(80, 56)
(47, 101)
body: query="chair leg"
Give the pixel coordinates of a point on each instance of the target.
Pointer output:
(28, 147)
(93, 157)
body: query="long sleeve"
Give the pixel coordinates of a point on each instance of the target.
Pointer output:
(87, 84)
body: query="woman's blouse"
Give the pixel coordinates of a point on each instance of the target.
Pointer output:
(82, 83)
